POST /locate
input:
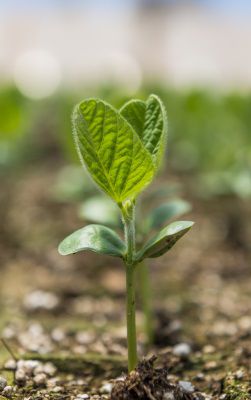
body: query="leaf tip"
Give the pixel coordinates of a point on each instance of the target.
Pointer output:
(61, 249)
(182, 225)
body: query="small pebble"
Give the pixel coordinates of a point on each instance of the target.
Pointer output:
(7, 391)
(120, 379)
(40, 379)
(10, 364)
(82, 396)
(80, 382)
(208, 349)
(106, 388)
(3, 383)
(57, 389)
(28, 366)
(182, 350)
(186, 386)
(239, 374)
(210, 365)
(200, 376)
(49, 369)
(39, 370)
(40, 299)
(58, 335)
(20, 376)
(168, 396)
(85, 337)
(52, 382)
(207, 396)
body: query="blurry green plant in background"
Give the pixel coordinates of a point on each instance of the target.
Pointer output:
(13, 123)
(212, 135)
(209, 132)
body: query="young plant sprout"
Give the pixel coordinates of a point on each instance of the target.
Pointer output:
(122, 150)
(100, 209)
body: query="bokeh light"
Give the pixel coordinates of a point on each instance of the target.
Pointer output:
(37, 73)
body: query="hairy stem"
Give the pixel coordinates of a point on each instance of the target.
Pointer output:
(131, 323)
(146, 300)
(129, 227)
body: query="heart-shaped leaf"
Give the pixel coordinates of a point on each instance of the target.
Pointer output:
(134, 112)
(100, 209)
(97, 238)
(165, 212)
(164, 240)
(149, 120)
(111, 150)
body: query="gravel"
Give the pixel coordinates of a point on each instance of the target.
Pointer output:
(3, 383)
(182, 350)
(186, 386)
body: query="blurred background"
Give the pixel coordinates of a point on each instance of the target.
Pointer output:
(196, 55)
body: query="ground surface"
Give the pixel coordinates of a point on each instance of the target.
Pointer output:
(68, 313)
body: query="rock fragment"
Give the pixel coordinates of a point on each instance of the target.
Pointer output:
(3, 383)
(182, 350)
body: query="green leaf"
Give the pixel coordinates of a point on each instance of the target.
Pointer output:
(134, 112)
(165, 212)
(149, 120)
(97, 238)
(111, 150)
(164, 240)
(100, 209)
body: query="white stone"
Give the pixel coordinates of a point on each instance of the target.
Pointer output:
(168, 396)
(10, 364)
(49, 369)
(57, 335)
(106, 388)
(3, 383)
(41, 299)
(182, 350)
(84, 337)
(20, 375)
(186, 386)
(40, 379)
(28, 365)
(7, 390)
(239, 374)
(57, 389)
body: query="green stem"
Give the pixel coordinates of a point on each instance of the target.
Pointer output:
(131, 323)
(129, 226)
(146, 299)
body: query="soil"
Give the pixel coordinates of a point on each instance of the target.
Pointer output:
(147, 382)
(68, 313)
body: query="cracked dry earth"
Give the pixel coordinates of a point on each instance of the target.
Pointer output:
(62, 319)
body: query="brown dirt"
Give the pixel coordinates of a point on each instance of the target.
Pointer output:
(149, 383)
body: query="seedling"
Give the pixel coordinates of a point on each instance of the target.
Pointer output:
(122, 150)
(73, 185)
(100, 209)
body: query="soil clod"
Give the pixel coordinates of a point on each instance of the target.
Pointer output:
(150, 383)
